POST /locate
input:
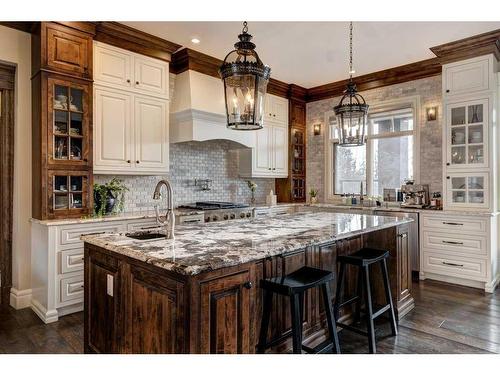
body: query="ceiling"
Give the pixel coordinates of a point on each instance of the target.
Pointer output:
(314, 53)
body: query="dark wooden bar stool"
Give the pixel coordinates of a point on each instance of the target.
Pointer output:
(294, 286)
(363, 259)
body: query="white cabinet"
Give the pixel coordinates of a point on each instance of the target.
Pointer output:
(275, 109)
(465, 77)
(131, 130)
(269, 157)
(467, 190)
(121, 68)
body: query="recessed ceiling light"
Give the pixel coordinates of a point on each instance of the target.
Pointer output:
(195, 40)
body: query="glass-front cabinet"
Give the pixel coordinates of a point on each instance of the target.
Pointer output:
(68, 118)
(467, 190)
(68, 192)
(467, 134)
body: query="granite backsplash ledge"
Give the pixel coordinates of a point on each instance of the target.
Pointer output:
(195, 160)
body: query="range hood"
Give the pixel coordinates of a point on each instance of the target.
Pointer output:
(197, 111)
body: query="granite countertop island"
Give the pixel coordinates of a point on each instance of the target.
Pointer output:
(213, 246)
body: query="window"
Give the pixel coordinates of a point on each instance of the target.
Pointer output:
(387, 159)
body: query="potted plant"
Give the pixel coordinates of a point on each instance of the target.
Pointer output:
(109, 197)
(313, 195)
(252, 186)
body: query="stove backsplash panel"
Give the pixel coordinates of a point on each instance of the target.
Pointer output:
(195, 160)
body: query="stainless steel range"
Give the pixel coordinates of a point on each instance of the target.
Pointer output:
(220, 211)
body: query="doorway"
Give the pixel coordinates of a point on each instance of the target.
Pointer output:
(7, 83)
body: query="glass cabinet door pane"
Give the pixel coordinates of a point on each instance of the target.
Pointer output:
(476, 154)
(61, 202)
(458, 183)
(475, 183)
(76, 124)
(458, 196)
(458, 135)
(458, 116)
(475, 113)
(60, 122)
(60, 147)
(475, 134)
(458, 155)
(61, 183)
(60, 100)
(76, 100)
(476, 196)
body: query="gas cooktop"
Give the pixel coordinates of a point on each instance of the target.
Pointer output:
(212, 205)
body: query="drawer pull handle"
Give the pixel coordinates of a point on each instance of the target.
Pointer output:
(192, 221)
(248, 285)
(451, 223)
(453, 242)
(453, 264)
(153, 227)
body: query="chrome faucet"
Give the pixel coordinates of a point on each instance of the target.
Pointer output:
(169, 220)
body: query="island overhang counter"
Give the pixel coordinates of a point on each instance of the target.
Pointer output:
(199, 293)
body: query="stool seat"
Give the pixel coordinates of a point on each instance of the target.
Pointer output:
(364, 257)
(298, 281)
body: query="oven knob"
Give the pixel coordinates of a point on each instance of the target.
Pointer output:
(215, 218)
(249, 214)
(232, 216)
(242, 215)
(226, 217)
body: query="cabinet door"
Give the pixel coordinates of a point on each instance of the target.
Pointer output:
(467, 134)
(151, 134)
(69, 193)
(262, 153)
(404, 281)
(225, 315)
(112, 65)
(280, 150)
(68, 50)
(276, 109)
(467, 77)
(151, 75)
(467, 190)
(113, 136)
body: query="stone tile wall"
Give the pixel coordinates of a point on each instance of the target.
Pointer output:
(430, 153)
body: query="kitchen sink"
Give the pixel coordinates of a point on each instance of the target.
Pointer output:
(143, 236)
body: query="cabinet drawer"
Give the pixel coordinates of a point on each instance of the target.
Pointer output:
(439, 263)
(71, 260)
(71, 288)
(455, 243)
(69, 237)
(454, 223)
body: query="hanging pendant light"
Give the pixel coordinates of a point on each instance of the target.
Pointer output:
(352, 110)
(245, 80)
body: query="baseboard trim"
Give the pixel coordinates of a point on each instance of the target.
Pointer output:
(20, 299)
(490, 287)
(455, 280)
(47, 316)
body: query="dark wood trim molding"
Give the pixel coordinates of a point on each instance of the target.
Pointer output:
(387, 77)
(477, 45)
(134, 40)
(26, 26)
(7, 76)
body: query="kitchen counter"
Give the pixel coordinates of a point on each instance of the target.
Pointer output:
(216, 245)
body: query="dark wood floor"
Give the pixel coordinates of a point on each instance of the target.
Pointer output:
(446, 319)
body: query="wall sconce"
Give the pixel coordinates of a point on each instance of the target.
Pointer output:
(431, 113)
(317, 129)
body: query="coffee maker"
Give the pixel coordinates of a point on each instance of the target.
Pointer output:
(415, 196)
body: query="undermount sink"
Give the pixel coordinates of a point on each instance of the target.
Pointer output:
(143, 236)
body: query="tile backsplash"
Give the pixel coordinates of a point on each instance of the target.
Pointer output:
(195, 160)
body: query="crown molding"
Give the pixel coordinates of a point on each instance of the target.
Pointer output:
(26, 26)
(477, 45)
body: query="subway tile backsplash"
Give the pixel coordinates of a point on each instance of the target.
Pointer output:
(195, 160)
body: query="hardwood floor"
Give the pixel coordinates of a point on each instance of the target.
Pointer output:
(446, 319)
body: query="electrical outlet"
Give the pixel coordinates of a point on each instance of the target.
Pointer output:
(109, 285)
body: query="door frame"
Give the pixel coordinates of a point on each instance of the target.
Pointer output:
(7, 84)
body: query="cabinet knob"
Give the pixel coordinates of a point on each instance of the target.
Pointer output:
(137, 161)
(269, 168)
(447, 90)
(85, 160)
(248, 285)
(274, 115)
(136, 82)
(447, 163)
(274, 169)
(447, 177)
(128, 80)
(128, 161)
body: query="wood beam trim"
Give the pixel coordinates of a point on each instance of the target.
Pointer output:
(134, 40)
(477, 45)
(26, 26)
(387, 77)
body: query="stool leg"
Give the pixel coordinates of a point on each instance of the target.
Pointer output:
(264, 324)
(340, 287)
(369, 316)
(332, 325)
(296, 324)
(301, 307)
(389, 297)
(359, 292)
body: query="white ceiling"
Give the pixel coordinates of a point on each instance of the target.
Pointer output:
(314, 53)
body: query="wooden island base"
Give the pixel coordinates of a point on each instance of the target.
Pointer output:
(135, 307)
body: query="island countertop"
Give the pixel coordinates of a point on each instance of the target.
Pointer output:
(212, 246)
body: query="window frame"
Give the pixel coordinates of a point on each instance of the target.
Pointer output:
(391, 106)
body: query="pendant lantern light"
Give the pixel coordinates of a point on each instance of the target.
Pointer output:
(245, 80)
(352, 110)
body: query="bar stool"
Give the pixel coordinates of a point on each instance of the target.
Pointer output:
(363, 259)
(294, 286)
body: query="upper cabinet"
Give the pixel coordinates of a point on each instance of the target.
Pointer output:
(119, 68)
(469, 76)
(131, 131)
(276, 109)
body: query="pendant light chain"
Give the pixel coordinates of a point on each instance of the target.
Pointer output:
(350, 51)
(245, 27)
